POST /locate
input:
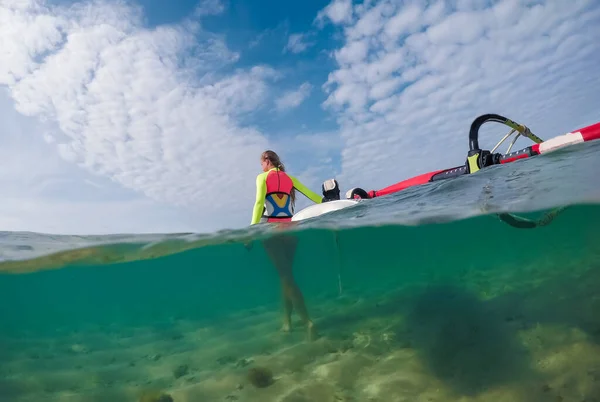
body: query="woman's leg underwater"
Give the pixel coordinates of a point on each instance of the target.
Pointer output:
(281, 250)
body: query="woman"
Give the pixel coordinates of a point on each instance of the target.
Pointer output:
(275, 199)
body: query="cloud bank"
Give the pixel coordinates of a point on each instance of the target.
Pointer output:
(147, 108)
(42, 192)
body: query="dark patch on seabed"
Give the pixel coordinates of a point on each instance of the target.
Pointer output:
(473, 346)
(463, 341)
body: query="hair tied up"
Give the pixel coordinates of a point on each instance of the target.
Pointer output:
(272, 157)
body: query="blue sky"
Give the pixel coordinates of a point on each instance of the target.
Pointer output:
(123, 116)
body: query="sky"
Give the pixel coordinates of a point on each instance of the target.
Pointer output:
(150, 116)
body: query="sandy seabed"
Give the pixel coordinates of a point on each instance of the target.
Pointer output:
(523, 335)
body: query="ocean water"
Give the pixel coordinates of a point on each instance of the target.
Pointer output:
(424, 295)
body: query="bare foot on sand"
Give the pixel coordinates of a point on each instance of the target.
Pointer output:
(312, 331)
(286, 327)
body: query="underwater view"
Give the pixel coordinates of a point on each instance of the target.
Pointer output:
(430, 294)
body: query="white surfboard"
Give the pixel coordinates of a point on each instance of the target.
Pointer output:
(320, 209)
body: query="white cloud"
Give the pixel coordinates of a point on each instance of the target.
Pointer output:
(293, 99)
(338, 11)
(405, 21)
(210, 7)
(146, 108)
(354, 52)
(412, 77)
(298, 43)
(370, 21)
(471, 28)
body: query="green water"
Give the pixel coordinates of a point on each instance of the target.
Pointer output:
(209, 282)
(463, 290)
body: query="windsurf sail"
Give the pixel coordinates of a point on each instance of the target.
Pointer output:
(478, 158)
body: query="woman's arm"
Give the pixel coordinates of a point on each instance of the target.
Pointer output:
(259, 204)
(314, 197)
